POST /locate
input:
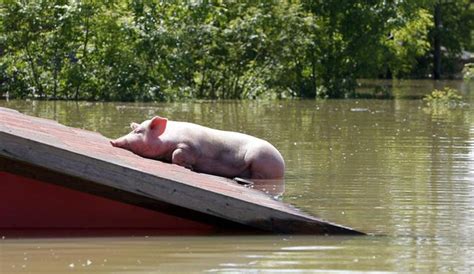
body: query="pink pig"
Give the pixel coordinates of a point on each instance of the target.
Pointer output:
(203, 149)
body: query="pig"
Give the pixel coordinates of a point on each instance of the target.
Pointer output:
(206, 150)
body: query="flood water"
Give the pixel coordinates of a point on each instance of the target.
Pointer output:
(396, 169)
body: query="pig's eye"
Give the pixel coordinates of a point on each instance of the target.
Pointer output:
(138, 131)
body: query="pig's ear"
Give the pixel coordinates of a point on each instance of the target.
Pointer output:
(134, 125)
(158, 124)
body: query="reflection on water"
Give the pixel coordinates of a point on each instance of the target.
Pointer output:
(273, 187)
(234, 254)
(388, 167)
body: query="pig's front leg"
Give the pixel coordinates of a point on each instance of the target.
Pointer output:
(183, 157)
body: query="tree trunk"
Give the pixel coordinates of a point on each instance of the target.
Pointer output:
(437, 43)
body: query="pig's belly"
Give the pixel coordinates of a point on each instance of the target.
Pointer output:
(223, 168)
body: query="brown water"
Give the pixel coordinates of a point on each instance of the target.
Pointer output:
(393, 168)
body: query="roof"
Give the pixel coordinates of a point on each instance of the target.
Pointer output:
(89, 157)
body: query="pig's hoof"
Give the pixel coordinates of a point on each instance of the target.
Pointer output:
(243, 181)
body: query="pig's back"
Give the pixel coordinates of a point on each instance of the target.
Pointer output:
(217, 151)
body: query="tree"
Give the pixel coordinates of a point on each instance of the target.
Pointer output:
(452, 30)
(145, 50)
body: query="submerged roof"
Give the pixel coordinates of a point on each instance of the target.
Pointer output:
(89, 157)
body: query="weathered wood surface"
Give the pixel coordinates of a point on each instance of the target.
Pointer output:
(89, 157)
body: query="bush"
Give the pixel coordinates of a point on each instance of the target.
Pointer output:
(447, 97)
(468, 71)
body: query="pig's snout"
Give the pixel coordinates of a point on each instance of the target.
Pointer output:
(120, 142)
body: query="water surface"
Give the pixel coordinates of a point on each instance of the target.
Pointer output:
(393, 168)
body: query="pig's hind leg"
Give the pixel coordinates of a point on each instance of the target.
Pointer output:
(267, 173)
(265, 164)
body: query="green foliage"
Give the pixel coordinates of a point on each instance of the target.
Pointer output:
(446, 104)
(131, 50)
(410, 41)
(458, 24)
(148, 50)
(454, 34)
(468, 71)
(447, 97)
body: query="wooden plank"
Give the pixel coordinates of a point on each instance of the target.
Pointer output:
(89, 157)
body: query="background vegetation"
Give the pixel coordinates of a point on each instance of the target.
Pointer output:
(164, 50)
